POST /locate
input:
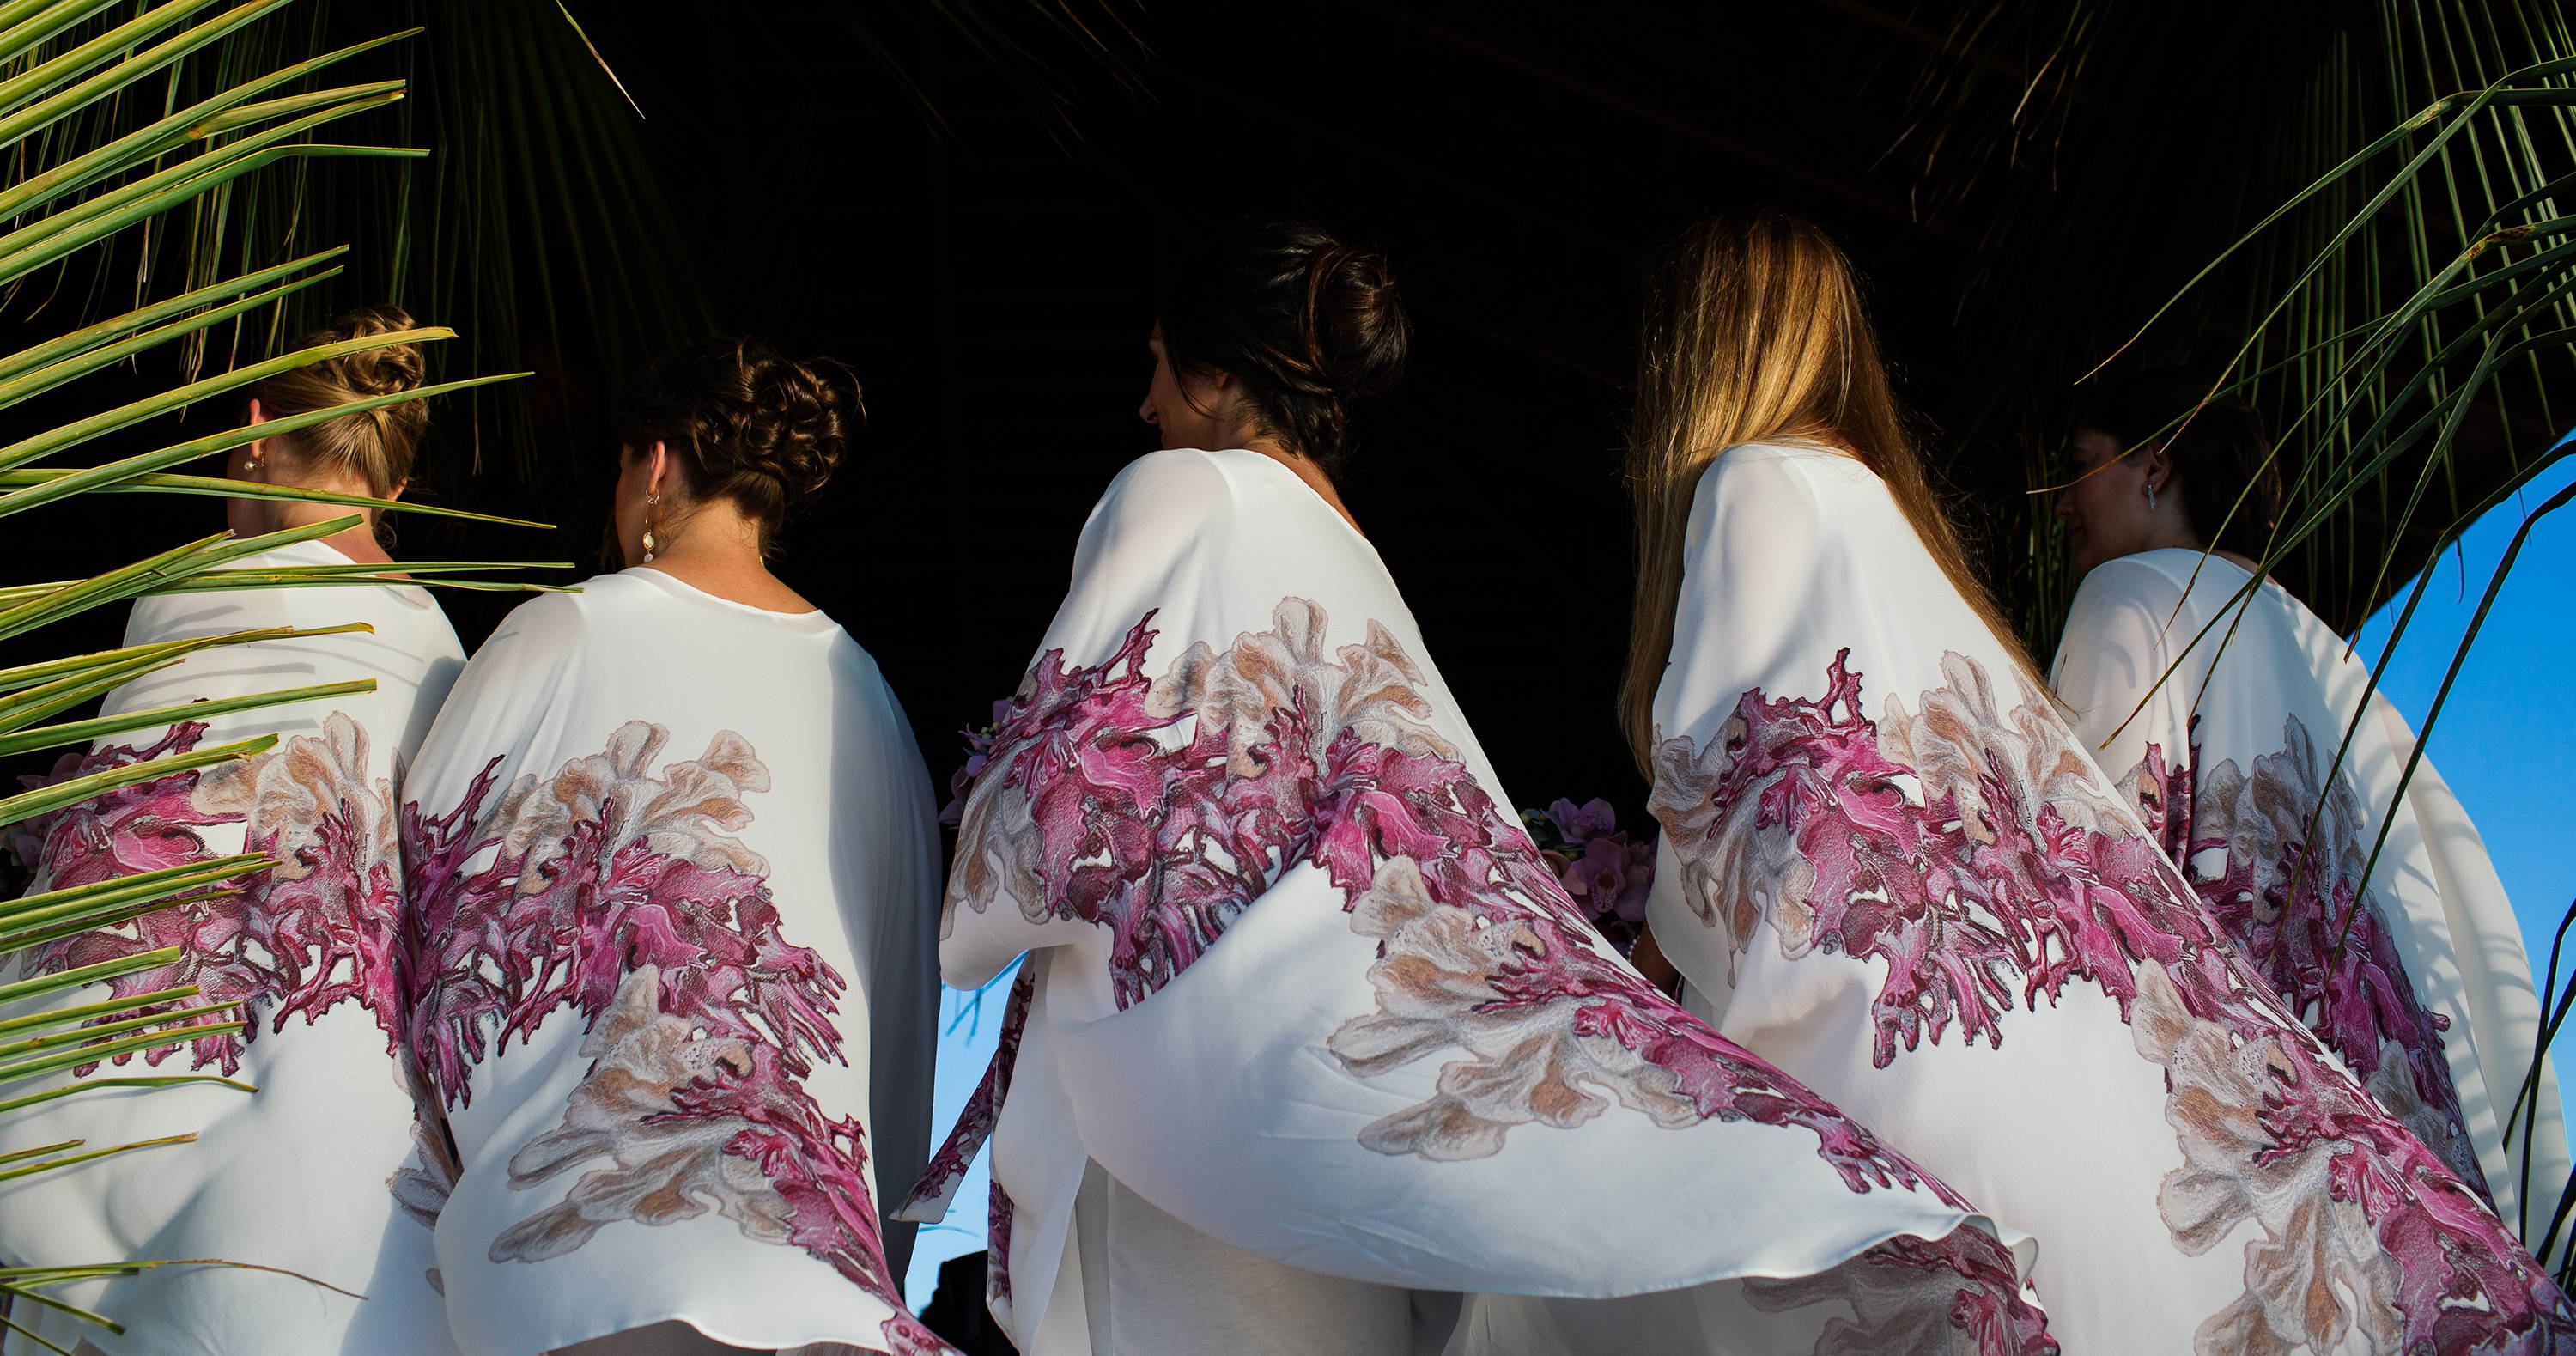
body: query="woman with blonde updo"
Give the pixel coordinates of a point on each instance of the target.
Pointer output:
(291, 1176)
(368, 453)
(675, 870)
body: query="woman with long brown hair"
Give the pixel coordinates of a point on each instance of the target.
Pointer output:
(1889, 868)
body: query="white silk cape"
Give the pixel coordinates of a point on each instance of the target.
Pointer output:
(2229, 753)
(1298, 979)
(1888, 867)
(674, 873)
(308, 948)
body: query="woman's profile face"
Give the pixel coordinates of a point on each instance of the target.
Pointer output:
(1168, 407)
(2104, 504)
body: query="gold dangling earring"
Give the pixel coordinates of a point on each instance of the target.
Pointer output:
(652, 503)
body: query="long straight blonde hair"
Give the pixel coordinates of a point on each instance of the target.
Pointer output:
(1755, 333)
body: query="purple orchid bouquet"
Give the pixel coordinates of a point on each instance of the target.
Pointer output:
(1607, 873)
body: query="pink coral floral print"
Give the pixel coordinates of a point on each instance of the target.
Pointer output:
(317, 930)
(620, 891)
(1973, 852)
(2284, 853)
(1160, 808)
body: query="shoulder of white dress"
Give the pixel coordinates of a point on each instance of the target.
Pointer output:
(1780, 478)
(2113, 602)
(2145, 574)
(1178, 472)
(1167, 492)
(558, 619)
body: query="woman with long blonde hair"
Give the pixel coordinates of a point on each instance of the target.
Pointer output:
(1889, 869)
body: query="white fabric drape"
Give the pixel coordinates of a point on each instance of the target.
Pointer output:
(1299, 982)
(2417, 977)
(293, 1175)
(1889, 868)
(674, 874)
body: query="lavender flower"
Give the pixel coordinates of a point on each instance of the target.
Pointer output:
(979, 750)
(1607, 874)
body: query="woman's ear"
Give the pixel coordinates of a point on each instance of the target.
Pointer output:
(394, 491)
(657, 469)
(255, 452)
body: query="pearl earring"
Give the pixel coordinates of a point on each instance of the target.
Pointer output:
(2151, 496)
(652, 506)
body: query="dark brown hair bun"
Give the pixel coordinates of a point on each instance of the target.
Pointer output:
(1308, 324)
(376, 445)
(747, 423)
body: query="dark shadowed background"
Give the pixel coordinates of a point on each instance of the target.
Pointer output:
(972, 219)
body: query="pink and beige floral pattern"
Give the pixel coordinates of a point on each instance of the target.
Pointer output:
(1972, 851)
(1160, 808)
(2278, 855)
(619, 890)
(317, 930)
(1905, 1297)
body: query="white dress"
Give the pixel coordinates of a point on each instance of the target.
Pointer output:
(674, 871)
(2418, 979)
(1888, 867)
(292, 1176)
(1308, 1025)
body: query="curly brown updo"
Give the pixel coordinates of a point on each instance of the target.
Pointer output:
(376, 445)
(746, 423)
(1308, 325)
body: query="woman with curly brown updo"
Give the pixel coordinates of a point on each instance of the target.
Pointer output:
(674, 869)
(306, 950)
(1310, 1051)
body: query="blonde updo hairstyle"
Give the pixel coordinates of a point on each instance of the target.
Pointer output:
(745, 423)
(373, 446)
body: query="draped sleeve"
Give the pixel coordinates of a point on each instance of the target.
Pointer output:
(1141, 554)
(2270, 770)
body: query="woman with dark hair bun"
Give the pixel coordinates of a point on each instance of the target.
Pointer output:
(307, 950)
(1310, 1051)
(2247, 734)
(673, 868)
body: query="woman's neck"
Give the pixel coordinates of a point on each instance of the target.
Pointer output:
(717, 551)
(357, 543)
(1306, 470)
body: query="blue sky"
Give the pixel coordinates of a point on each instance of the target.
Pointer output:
(2503, 735)
(2500, 737)
(970, 1024)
